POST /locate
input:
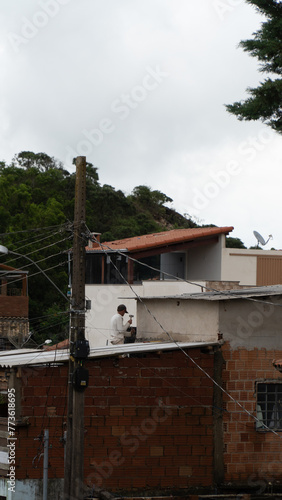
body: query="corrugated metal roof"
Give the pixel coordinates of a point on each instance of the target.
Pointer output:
(156, 240)
(22, 357)
(264, 291)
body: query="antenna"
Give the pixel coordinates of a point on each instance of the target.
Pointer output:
(260, 239)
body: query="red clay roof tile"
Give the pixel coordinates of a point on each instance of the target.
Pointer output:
(155, 240)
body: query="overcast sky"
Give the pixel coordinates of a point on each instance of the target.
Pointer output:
(139, 87)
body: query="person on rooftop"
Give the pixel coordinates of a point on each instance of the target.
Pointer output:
(118, 327)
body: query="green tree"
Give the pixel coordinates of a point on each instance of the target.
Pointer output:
(234, 242)
(265, 101)
(36, 209)
(42, 161)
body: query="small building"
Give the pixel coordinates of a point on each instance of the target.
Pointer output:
(247, 323)
(168, 263)
(14, 322)
(148, 419)
(193, 410)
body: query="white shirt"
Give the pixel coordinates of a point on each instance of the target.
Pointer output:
(118, 329)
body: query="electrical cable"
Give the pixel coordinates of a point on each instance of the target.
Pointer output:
(48, 316)
(34, 237)
(32, 262)
(53, 325)
(37, 250)
(48, 237)
(41, 271)
(35, 229)
(153, 370)
(42, 239)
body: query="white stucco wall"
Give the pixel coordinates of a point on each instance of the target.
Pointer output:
(106, 298)
(180, 320)
(204, 262)
(241, 264)
(252, 324)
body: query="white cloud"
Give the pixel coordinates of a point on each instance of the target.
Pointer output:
(73, 72)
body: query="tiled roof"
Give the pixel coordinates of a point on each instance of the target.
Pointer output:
(164, 238)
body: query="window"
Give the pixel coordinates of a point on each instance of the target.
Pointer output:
(105, 269)
(269, 405)
(145, 269)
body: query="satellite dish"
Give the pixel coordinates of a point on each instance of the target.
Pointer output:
(260, 239)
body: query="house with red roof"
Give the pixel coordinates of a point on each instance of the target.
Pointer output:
(167, 263)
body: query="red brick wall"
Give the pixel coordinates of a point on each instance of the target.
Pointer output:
(148, 420)
(251, 457)
(13, 307)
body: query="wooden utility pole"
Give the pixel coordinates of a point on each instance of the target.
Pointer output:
(74, 453)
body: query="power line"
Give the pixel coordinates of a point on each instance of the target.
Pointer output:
(48, 236)
(32, 262)
(41, 271)
(35, 236)
(37, 250)
(35, 229)
(49, 315)
(53, 325)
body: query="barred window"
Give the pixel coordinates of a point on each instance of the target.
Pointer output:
(269, 405)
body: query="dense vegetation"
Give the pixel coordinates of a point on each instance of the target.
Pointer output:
(36, 214)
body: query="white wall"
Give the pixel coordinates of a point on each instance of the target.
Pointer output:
(106, 298)
(239, 265)
(178, 320)
(174, 264)
(204, 262)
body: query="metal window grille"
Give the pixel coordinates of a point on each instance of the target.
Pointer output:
(269, 405)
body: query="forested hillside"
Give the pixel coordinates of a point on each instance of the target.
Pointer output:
(36, 214)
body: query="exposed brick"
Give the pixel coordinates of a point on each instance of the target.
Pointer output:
(116, 411)
(118, 430)
(185, 471)
(156, 451)
(122, 415)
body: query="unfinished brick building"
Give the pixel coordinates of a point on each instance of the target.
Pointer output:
(165, 418)
(148, 419)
